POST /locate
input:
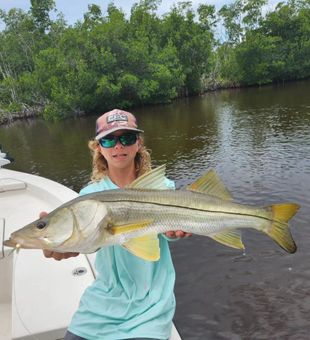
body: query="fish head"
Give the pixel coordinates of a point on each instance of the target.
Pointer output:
(64, 229)
(47, 232)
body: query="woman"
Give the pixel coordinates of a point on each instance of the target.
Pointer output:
(130, 298)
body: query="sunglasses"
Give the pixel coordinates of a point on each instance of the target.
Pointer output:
(125, 139)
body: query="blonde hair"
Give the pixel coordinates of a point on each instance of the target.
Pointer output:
(100, 164)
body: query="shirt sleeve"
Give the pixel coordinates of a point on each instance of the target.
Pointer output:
(104, 184)
(169, 183)
(85, 190)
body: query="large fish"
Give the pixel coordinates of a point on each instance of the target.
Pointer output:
(133, 217)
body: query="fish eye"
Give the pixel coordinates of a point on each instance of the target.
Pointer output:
(41, 224)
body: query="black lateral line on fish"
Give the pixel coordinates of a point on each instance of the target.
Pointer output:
(192, 208)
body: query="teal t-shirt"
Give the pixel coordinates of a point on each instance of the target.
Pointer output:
(130, 298)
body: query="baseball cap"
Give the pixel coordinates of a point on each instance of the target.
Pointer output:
(115, 120)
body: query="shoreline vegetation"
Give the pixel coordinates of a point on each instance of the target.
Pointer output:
(53, 70)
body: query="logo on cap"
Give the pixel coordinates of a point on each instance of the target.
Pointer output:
(116, 117)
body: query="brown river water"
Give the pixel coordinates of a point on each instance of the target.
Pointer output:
(258, 140)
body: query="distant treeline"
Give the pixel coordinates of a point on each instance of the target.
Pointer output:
(50, 68)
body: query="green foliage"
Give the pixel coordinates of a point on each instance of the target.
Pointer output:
(256, 56)
(40, 13)
(193, 42)
(241, 16)
(107, 61)
(266, 49)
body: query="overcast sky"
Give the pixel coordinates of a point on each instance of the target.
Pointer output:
(74, 9)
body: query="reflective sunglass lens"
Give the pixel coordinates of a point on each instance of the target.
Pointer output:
(107, 142)
(126, 139)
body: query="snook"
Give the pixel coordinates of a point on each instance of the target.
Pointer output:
(134, 217)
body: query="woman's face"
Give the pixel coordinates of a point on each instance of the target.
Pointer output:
(120, 156)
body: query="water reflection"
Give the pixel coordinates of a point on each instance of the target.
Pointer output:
(258, 140)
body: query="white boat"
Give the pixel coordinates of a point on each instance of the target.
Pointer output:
(38, 296)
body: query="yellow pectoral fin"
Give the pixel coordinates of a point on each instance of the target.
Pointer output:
(146, 247)
(231, 238)
(126, 228)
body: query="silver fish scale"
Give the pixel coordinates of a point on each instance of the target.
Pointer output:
(165, 218)
(185, 199)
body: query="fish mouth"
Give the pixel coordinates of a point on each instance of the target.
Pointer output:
(14, 243)
(10, 243)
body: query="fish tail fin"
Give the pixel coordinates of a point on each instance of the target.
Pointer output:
(279, 230)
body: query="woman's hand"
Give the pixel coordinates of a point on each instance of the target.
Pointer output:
(58, 256)
(177, 234)
(54, 254)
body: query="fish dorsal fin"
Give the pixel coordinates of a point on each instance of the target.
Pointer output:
(154, 179)
(126, 228)
(146, 247)
(231, 238)
(211, 184)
